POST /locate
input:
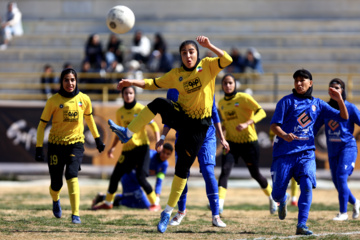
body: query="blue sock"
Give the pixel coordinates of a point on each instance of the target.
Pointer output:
(305, 200)
(211, 187)
(182, 200)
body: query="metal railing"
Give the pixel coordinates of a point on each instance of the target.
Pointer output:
(268, 88)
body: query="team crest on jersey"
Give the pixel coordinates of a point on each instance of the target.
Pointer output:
(135, 115)
(61, 106)
(180, 79)
(192, 85)
(236, 104)
(199, 69)
(313, 108)
(80, 104)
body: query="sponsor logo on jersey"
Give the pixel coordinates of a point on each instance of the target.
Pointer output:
(333, 125)
(192, 85)
(199, 69)
(304, 119)
(230, 115)
(71, 115)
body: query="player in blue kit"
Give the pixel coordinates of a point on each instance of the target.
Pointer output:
(342, 150)
(294, 146)
(132, 195)
(207, 162)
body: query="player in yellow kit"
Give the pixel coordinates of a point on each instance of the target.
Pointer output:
(240, 112)
(190, 116)
(67, 108)
(135, 153)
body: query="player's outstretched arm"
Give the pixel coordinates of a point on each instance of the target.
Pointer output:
(338, 98)
(205, 42)
(130, 82)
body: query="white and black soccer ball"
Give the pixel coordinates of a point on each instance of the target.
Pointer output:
(120, 19)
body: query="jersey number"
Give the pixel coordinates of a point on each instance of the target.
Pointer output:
(53, 159)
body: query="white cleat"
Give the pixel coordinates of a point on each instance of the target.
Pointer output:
(341, 217)
(176, 220)
(217, 222)
(272, 206)
(356, 209)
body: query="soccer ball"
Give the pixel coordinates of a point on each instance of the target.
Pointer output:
(120, 19)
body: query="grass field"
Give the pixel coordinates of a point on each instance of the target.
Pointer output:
(25, 213)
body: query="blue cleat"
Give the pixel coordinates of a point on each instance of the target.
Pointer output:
(120, 131)
(282, 209)
(164, 221)
(75, 219)
(302, 229)
(57, 209)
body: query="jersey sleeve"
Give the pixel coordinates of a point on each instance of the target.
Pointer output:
(165, 81)
(89, 118)
(154, 126)
(354, 114)
(279, 113)
(45, 117)
(259, 113)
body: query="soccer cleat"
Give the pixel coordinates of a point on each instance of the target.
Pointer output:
(282, 209)
(176, 220)
(102, 206)
(341, 217)
(57, 209)
(217, 222)
(120, 131)
(272, 205)
(155, 207)
(294, 203)
(98, 198)
(356, 209)
(302, 229)
(75, 219)
(164, 221)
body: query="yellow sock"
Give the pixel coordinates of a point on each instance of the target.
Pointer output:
(222, 192)
(267, 190)
(143, 118)
(177, 187)
(294, 188)
(110, 197)
(55, 195)
(74, 195)
(152, 197)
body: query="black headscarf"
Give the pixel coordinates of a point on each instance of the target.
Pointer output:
(132, 104)
(332, 102)
(191, 42)
(231, 95)
(62, 91)
(305, 74)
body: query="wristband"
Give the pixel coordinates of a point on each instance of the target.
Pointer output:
(162, 137)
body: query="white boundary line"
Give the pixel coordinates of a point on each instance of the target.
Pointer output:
(300, 236)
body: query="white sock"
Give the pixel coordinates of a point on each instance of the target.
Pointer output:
(214, 216)
(294, 199)
(108, 203)
(221, 203)
(129, 133)
(157, 201)
(168, 209)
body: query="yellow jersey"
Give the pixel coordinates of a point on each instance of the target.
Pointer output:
(239, 109)
(124, 117)
(67, 119)
(196, 88)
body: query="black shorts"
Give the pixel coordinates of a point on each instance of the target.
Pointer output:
(137, 158)
(249, 152)
(60, 156)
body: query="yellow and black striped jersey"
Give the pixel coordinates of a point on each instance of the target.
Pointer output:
(196, 88)
(239, 109)
(67, 119)
(124, 117)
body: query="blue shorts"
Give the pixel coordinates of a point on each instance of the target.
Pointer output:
(207, 153)
(295, 165)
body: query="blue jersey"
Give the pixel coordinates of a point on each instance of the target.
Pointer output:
(156, 164)
(298, 116)
(339, 132)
